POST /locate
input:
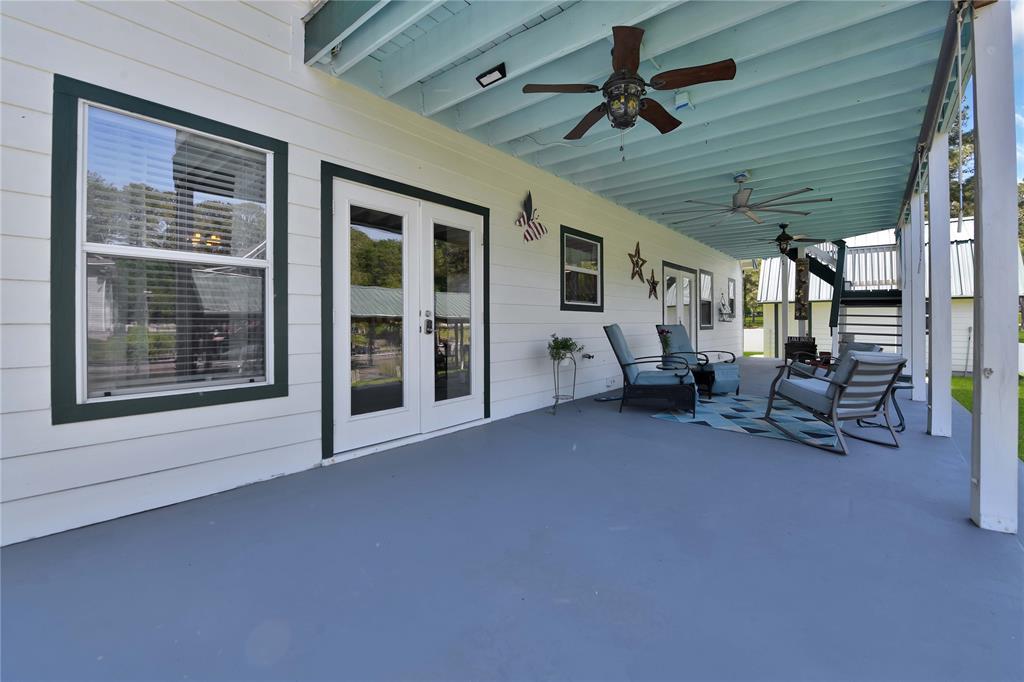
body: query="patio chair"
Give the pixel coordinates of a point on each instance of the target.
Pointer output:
(720, 377)
(859, 388)
(844, 348)
(675, 384)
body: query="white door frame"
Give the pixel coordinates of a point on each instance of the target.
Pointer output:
(344, 436)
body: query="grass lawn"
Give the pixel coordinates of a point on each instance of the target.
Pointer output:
(749, 353)
(963, 393)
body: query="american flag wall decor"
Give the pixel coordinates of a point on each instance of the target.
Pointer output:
(529, 220)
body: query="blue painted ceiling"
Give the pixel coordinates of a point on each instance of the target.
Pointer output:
(829, 95)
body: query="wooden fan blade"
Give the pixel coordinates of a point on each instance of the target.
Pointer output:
(695, 210)
(787, 194)
(587, 122)
(700, 217)
(655, 114)
(770, 204)
(762, 209)
(707, 203)
(626, 51)
(753, 216)
(724, 70)
(560, 87)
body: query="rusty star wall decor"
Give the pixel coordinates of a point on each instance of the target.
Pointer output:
(652, 284)
(638, 262)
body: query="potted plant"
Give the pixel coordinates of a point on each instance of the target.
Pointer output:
(664, 337)
(561, 347)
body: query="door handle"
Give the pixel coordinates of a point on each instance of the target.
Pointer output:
(428, 326)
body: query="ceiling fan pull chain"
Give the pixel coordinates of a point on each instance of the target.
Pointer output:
(622, 146)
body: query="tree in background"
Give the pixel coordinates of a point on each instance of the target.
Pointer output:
(753, 311)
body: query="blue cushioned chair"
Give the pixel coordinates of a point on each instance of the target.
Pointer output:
(675, 384)
(858, 388)
(722, 377)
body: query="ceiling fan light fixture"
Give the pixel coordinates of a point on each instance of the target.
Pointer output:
(624, 103)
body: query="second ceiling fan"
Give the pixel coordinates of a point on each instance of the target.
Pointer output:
(624, 91)
(741, 205)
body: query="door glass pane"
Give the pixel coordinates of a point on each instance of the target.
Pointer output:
(452, 311)
(378, 310)
(671, 297)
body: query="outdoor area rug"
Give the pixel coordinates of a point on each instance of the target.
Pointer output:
(745, 414)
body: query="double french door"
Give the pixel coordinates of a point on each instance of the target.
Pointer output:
(408, 325)
(680, 297)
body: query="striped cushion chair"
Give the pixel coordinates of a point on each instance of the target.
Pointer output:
(858, 388)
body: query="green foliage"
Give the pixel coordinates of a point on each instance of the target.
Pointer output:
(561, 347)
(963, 393)
(376, 263)
(752, 310)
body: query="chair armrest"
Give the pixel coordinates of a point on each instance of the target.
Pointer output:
(793, 369)
(731, 355)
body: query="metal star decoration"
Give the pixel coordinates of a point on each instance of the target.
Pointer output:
(638, 262)
(652, 284)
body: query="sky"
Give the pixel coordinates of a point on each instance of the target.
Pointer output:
(1017, 11)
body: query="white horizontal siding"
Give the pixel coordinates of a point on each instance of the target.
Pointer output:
(240, 63)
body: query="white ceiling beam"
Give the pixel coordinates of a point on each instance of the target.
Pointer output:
(471, 29)
(776, 148)
(391, 21)
(805, 79)
(664, 32)
(819, 157)
(791, 40)
(752, 128)
(863, 156)
(575, 28)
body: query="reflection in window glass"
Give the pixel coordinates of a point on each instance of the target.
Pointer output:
(155, 325)
(706, 304)
(156, 186)
(582, 271)
(162, 322)
(378, 310)
(452, 312)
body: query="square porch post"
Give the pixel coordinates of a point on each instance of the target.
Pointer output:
(994, 430)
(783, 330)
(940, 319)
(914, 281)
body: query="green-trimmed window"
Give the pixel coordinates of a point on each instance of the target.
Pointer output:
(169, 257)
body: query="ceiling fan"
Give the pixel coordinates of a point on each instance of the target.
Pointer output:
(783, 240)
(624, 90)
(741, 205)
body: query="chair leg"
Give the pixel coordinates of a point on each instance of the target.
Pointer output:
(622, 401)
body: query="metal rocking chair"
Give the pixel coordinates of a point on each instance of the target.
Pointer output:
(859, 388)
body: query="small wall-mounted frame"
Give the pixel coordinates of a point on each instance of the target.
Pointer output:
(705, 310)
(727, 306)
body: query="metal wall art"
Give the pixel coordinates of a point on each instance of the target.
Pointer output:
(529, 220)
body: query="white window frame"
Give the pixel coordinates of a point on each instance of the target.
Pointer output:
(83, 248)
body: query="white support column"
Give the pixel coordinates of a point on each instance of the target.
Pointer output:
(994, 432)
(915, 281)
(783, 308)
(940, 320)
(801, 325)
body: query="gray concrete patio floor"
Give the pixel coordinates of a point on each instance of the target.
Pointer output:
(586, 545)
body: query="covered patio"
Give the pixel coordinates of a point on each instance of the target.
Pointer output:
(584, 545)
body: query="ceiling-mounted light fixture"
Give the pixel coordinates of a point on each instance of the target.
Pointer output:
(492, 76)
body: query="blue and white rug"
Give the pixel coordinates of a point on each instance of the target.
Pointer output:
(745, 414)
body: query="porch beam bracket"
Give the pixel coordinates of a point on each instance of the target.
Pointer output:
(331, 23)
